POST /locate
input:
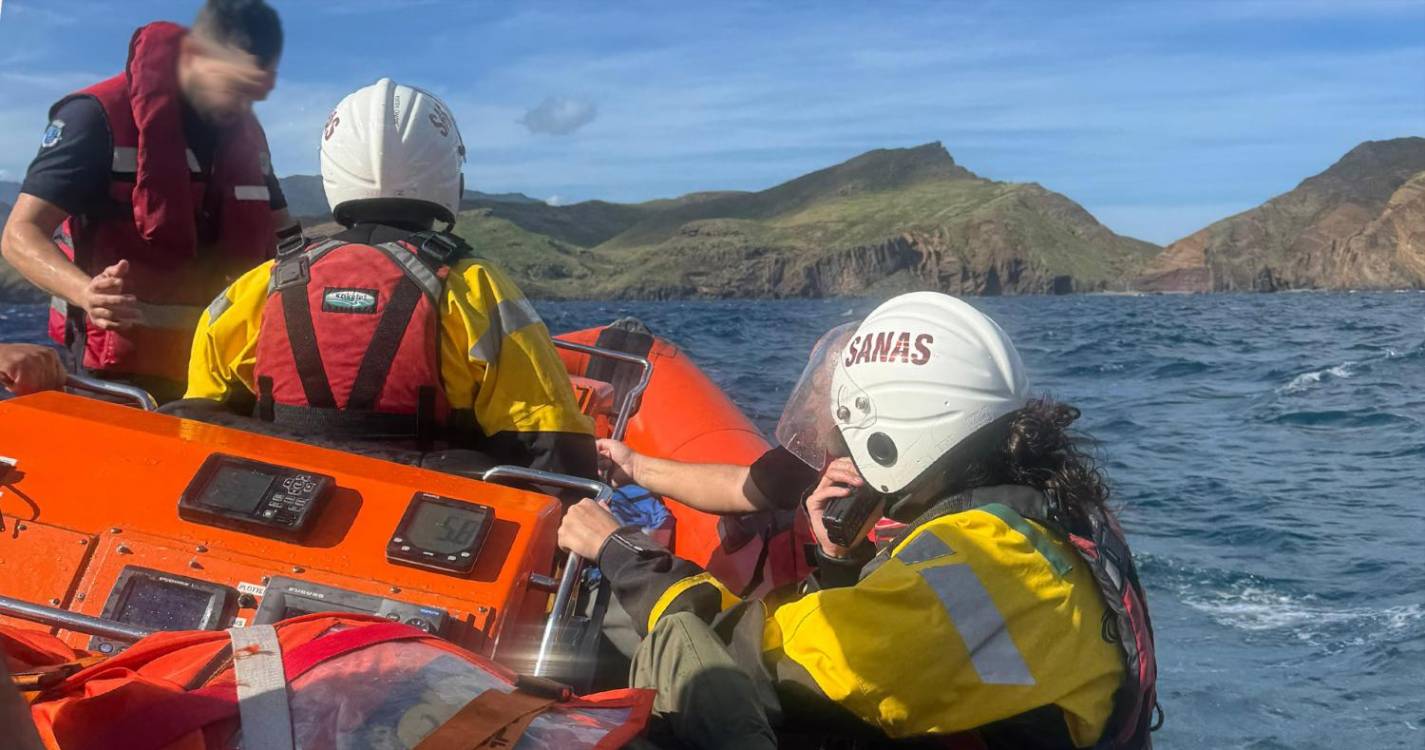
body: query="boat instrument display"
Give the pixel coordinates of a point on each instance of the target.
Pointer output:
(154, 600)
(290, 597)
(440, 533)
(254, 496)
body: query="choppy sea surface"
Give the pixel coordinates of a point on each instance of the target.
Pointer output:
(1268, 457)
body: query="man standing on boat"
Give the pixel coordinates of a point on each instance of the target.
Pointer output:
(151, 191)
(391, 332)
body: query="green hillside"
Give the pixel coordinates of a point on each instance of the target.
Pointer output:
(907, 218)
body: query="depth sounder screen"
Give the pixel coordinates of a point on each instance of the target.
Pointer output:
(440, 533)
(445, 530)
(154, 604)
(237, 489)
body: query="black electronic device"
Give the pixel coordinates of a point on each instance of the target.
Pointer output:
(292, 597)
(846, 516)
(440, 533)
(156, 600)
(259, 498)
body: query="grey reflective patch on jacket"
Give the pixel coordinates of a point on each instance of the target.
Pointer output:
(126, 160)
(974, 614)
(926, 546)
(415, 268)
(169, 317)
(218, 306)
(510, 316)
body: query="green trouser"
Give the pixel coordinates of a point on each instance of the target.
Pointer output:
(705, 701)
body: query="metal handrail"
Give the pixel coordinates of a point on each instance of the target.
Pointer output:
(63, 618)
(625, 411)
(573, 568)
(142, 398)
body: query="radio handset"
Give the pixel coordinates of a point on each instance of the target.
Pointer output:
(845, 517)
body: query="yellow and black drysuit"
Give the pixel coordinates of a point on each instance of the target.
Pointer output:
(458, 327)
(975, 620)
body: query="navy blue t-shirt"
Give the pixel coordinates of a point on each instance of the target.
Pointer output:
(75, 159)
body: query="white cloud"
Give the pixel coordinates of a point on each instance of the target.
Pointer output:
(30, 11)
(558, 115)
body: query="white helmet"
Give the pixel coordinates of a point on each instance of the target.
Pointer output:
(391, 141)
(920, 374)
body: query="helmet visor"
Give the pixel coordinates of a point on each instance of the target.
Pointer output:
(806, 428)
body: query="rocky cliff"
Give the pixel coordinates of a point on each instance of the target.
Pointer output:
(1357, 225)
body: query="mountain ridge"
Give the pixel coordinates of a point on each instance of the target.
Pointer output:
(900, 219)
(1298, 240)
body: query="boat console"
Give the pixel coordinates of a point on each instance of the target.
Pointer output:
(166, 524)
(116, 522)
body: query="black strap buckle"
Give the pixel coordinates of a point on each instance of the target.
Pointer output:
(291, 245)
(291, 271)
(438, 247)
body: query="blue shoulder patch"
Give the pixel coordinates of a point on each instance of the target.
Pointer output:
(53, 134)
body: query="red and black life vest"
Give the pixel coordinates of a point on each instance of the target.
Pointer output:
(349, 344)
(186, 232)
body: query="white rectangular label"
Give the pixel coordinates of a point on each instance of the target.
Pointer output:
(251, 192)
(251, 588)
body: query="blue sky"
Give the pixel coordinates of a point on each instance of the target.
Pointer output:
(1159, 117)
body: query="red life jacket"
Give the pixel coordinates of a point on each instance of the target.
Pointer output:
(349, 342)
(186, 233)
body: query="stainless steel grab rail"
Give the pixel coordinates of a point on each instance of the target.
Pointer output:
(630, 399)
(63, 618)
(573, 567)
(138, 395)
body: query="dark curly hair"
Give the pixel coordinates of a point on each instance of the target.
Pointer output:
(1033, 447)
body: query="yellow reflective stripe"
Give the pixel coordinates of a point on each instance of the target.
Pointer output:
(674, 591)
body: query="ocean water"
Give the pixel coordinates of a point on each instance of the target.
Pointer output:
(1267, 454)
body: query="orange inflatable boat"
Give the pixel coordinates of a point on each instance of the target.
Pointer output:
(116, 522)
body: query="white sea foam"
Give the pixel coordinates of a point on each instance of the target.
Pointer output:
(1257, 609)
(1308, 380)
